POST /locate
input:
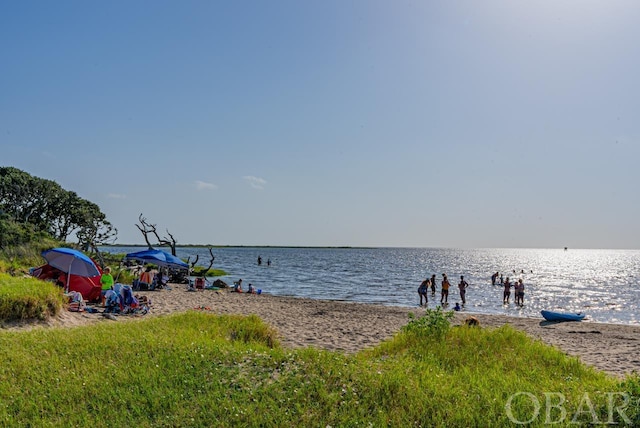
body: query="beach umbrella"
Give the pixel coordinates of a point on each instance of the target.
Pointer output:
(72, 262)
(158, 257)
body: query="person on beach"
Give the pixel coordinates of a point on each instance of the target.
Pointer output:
(494, 278)
(160, 279)
(422, 291)
(251, 290)
(457, 307)
(463, 289)
(237, 286)
(433, 284)
(519, 289)
(106, 281)
(507, 291)
(445, 289)
(259, 260)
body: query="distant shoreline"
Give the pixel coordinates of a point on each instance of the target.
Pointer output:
(244, 246)
(349, 247)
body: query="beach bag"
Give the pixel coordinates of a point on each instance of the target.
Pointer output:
(112, 301)
(117, 287)
(76, 302)
(127, 295)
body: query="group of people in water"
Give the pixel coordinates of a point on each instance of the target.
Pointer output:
(430, 284)
(518, 288)
(260, 261)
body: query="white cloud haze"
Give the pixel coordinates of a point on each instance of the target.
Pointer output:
(255, 182)
(201, 185)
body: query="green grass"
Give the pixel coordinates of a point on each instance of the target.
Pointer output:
(18, 259)
(197, 369)
(28, 298)
(199, 271)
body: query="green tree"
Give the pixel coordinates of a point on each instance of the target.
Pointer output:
(46, 207)
(13, 233)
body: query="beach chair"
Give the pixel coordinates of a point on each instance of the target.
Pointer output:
(145, 281)
(199, 283)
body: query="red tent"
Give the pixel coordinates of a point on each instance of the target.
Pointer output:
(89, 287)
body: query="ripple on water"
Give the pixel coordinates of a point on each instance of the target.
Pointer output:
(603, 283)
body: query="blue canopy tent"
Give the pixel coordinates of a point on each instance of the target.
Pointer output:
(158, 257)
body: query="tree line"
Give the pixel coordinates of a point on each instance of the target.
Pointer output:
(31, 205)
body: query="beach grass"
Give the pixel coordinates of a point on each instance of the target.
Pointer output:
(200, 369)
(28, 298)
(16, 259)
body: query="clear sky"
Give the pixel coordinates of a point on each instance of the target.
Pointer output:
(358, 123)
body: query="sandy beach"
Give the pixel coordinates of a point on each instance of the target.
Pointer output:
(350, 327)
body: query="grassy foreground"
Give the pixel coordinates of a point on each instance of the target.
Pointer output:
(197, 369)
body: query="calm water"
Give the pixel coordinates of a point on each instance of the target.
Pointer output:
(604, 284)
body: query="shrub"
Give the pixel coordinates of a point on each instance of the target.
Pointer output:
(19, 258)
(28, 298)
(434, 323)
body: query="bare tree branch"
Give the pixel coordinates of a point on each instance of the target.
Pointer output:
(145, 229)
(204, 272)
(148, 229)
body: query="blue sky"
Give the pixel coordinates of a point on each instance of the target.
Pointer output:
(363, 123)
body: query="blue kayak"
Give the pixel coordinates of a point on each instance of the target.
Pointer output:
(562, 316)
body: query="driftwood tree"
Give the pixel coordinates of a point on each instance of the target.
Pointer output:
(150, 231)
(204, 272)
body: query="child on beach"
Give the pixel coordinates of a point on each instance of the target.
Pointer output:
(106, 282)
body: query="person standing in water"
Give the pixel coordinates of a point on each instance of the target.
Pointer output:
(422, 291)
(519, 291)
(507, 291)
(463, 289)
(433, 284)
(445, 289)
